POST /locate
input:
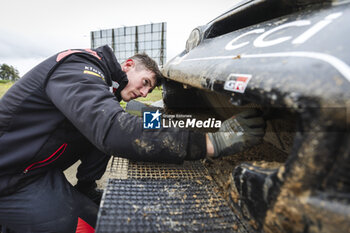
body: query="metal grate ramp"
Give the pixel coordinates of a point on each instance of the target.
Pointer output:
(148, 197)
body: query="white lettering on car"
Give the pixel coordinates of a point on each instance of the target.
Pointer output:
(261, 41)
(230, 45)
(316, 28)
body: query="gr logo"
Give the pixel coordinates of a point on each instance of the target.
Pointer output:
(151, 119)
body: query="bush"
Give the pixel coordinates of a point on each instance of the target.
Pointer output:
(5, 81)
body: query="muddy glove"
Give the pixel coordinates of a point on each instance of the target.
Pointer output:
(238, 133)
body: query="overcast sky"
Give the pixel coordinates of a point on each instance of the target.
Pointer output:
(32, 30)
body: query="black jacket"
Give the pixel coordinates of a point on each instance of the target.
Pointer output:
(65, 102)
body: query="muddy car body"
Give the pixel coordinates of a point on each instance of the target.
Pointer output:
(291, 60)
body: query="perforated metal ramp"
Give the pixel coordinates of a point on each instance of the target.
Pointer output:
(147, 197)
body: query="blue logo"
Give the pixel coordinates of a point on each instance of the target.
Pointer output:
(151, 120)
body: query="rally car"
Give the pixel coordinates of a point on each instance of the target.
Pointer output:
(290, 59)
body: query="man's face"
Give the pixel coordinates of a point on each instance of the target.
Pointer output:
(141, 81)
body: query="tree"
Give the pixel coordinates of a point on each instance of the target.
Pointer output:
(8, 72)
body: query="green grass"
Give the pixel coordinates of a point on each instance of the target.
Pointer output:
(5, 81)
(4, 86)
(152, 97)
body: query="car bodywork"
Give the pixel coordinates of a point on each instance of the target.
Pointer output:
(289, 59)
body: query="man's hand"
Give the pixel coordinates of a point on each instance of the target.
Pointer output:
(238, 133)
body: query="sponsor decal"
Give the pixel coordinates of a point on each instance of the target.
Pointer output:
(93, 71)
(237, 82)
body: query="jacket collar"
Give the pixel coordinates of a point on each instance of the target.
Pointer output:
(117, 79)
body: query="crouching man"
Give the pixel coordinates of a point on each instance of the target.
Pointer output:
(67, 109)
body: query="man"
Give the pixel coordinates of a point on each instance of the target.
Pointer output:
(66, 109)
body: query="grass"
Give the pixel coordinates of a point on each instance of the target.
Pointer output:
(4, 86)
(152, 97)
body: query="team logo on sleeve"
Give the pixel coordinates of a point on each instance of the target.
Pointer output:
(151, 119)
(92, 71)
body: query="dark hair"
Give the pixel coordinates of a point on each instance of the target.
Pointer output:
(142, 59)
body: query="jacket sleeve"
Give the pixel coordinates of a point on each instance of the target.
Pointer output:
(84, 98)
